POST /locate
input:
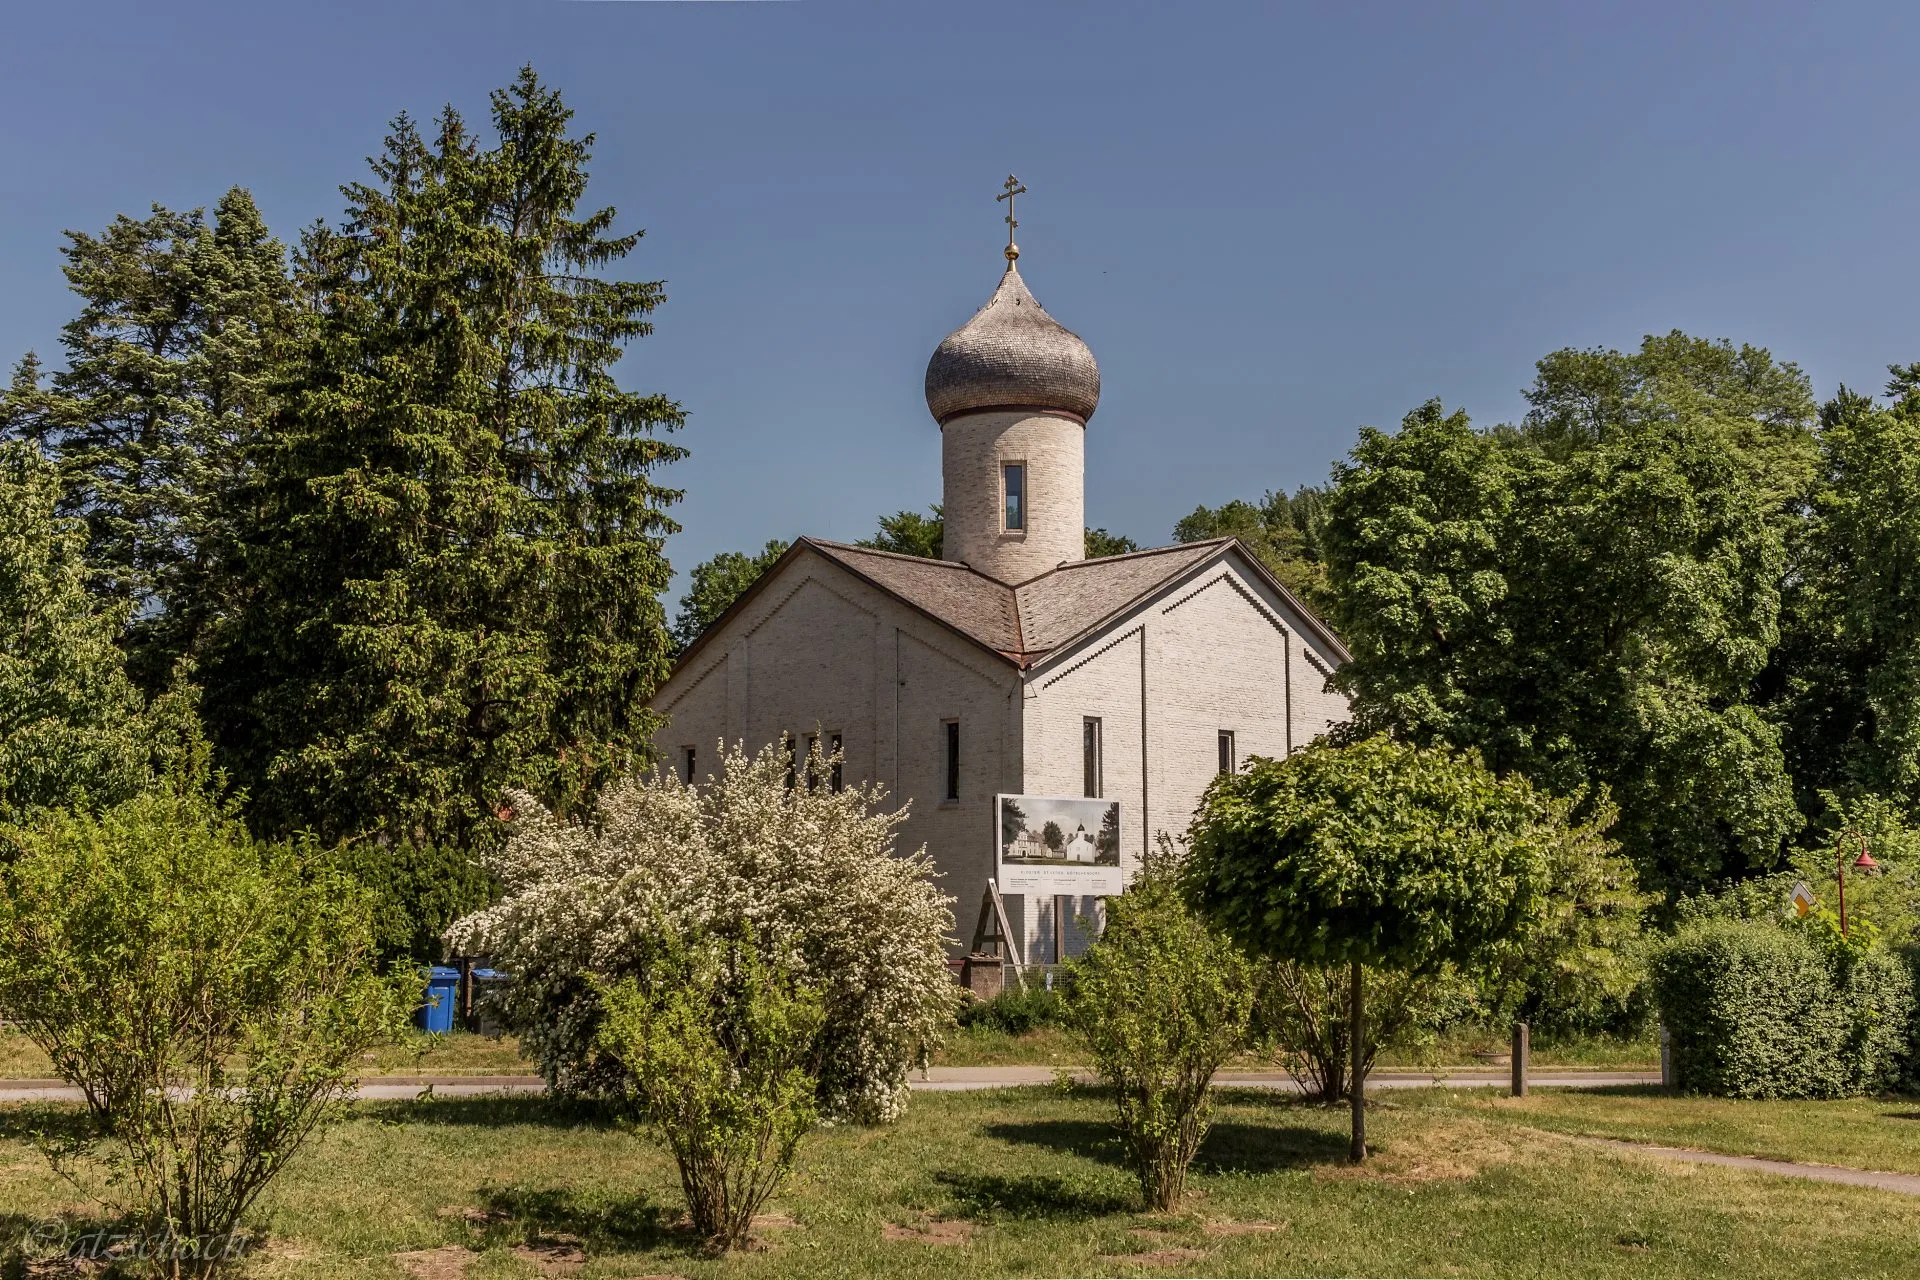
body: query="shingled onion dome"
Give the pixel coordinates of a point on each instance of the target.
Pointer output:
(1012, 355)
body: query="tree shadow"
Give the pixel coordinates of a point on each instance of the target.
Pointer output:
(985, 1197)
(497, 1110)
(55, 1121)
(1229, 1147)
(609, 1222)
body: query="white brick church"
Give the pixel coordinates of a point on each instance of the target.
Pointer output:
(1015, 664)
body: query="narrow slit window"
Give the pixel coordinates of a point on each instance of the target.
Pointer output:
(953, 759)
(687, 775)
(793, 762)
(813, 770)
(1090, 756)
(1226, 751)
(839, 766)
(1014, 477)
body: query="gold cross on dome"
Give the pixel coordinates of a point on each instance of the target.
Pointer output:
(1014, 187)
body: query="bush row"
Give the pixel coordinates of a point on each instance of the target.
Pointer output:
(1755, 1010)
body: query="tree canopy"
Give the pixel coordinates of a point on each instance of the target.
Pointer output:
(1589, 598)
(1283, 532)
(455, 538)
(1379, 853)
(715, 584)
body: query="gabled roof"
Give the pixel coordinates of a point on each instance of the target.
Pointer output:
(1024, 623)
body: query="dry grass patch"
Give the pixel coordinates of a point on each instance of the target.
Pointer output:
(448, 1262)
(933, 1231)
(1445, 1152)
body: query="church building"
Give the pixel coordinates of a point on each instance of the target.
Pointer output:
(1014, 664)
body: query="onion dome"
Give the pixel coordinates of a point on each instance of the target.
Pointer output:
(1012, 355)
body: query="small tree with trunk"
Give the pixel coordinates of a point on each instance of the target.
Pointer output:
(1377, 854)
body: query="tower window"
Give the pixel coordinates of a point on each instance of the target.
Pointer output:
(953, 759)
(1226, 751)
(687, 776)
(1014, 482)
(1090, 756)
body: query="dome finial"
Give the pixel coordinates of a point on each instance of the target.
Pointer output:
(1014, 187)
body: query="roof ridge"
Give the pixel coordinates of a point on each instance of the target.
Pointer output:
(962, 565)
(1065, 565)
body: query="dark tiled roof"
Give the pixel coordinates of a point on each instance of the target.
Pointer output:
(1022, 623)
(971, 603)
(1058, 606)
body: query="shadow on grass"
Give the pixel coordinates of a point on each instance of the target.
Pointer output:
(55, 1121)
(600, 1222)
(1229, 1147)
(985, 1197)
(492, 1111)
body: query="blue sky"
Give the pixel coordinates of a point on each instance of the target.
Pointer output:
(1272, 222)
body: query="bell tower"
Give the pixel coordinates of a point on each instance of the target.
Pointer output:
(1012, 390)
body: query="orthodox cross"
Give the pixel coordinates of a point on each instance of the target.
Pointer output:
(1014, 187)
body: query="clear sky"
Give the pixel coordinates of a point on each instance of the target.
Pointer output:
(1272, 222)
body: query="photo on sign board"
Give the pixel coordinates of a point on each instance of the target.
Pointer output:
(1041, 831)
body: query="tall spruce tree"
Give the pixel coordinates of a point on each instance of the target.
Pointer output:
(169, 374)
(455, 540)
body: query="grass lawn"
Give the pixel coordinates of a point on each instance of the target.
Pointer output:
(1028, 1183)
(1864, 1133)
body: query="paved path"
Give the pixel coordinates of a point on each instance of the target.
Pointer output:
(957, 1079)
(1906, 1184)
(938, 1080)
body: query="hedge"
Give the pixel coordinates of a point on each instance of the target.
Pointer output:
(1756, 1011)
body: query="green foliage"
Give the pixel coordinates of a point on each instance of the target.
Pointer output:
(1849, 667)
(1590, 598)
(909, 533)
(416, 890)
(715, 584)
(1303, 1014)
(169, 379)
(1378, 853)
(1101, 543)
(1162, 1001)
(1020, 1008)
(209, 996)
(718, 1043)
(1757, 1010)
(1585, 959)
(1284, 533)
(454, 539)
(73, 730)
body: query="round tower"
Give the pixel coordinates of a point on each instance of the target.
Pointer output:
(1012, 390)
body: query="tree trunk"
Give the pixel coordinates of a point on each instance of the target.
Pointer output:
(1357, 1089)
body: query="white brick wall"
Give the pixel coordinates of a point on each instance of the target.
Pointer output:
(819, 647)
(1217, 650)
(973, 447)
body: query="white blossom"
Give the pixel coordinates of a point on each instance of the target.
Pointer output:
(811, 871)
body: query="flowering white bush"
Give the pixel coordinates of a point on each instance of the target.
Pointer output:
(812, 871)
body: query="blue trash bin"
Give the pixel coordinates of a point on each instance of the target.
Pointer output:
(443, 998)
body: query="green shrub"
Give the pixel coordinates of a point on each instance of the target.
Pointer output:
(1303, 1015)
(1163, 1001)
(209, 997)
(1023, 1007)
(1877, 989)
(718, 1044)
(418, 890)
(1753, 1012)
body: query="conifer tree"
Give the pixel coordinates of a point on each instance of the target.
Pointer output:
(169, 372)
(456, 541)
